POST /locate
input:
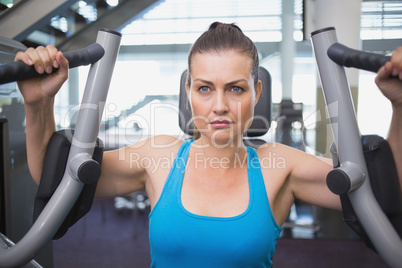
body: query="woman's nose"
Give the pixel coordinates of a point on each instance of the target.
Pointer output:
(220, 103)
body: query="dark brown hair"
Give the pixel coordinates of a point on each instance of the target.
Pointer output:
(224, 36)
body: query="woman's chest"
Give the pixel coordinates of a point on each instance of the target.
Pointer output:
(183, 239)
(217, 194)
(207, 234)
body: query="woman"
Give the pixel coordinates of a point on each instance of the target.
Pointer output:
(215, 205)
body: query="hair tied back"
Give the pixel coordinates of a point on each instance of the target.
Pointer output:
(218, 25)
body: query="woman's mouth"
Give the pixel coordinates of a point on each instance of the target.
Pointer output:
(221, 123)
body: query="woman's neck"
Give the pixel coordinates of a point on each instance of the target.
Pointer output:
(212, 154)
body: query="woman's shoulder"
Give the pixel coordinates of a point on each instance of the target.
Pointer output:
(157, 145)
(278, 155)
(280, 148)
(165, 141)
(274, 147)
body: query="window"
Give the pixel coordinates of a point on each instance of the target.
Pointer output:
(178, 22)
(381, 20)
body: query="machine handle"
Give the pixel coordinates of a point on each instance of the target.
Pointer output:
(348, 57)
(83, 142)
(18, 70)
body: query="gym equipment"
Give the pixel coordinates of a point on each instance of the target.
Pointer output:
(17, 71)
(80, 169)
(351, 178)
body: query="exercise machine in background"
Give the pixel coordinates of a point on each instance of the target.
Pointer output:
(375, 216)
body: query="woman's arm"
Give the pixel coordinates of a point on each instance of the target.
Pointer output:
(293, 174)
(307, 179)
(394, 140)
(389, 80)
(118, 177)
(39, 96)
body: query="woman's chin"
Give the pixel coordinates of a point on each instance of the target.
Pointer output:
(225, 139)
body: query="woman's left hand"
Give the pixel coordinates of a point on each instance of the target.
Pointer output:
(389, 78)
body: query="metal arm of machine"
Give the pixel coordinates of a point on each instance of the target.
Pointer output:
(83, 143)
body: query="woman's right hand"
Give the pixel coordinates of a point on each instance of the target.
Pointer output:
(43, 88)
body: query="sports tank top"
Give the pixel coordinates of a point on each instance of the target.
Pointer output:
(179, 238)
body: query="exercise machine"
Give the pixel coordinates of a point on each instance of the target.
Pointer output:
(351, 178)
(81, 169)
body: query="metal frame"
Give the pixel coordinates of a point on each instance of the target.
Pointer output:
(350, 153)
(81, 151)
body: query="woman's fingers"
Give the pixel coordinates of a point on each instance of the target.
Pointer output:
(42, 58)
(397, 62)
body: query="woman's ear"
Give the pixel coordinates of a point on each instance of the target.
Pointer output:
(258, 92)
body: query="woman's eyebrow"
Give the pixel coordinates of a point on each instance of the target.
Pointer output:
(203, 81)
(226, 84)
(236, 82)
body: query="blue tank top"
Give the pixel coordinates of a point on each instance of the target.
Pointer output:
(179, 238)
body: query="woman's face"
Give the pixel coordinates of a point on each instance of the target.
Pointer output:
(222, 95)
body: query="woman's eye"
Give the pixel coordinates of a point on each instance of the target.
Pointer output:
(237, 89)
(203, 89)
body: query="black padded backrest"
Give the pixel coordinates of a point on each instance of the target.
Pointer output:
(53, 170)
(262, 112)
(384, 184)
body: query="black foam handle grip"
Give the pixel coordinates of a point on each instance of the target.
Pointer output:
(348, 57)
(18, 70)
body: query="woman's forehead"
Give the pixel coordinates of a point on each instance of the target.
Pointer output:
(227, 62)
